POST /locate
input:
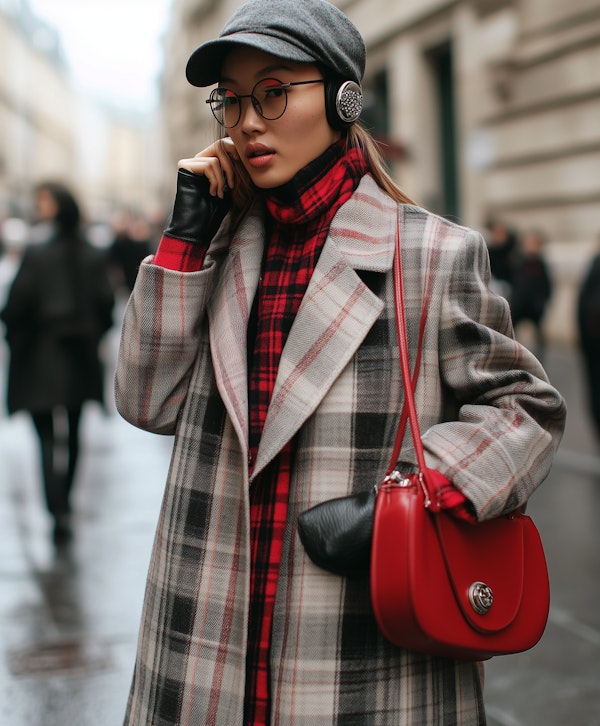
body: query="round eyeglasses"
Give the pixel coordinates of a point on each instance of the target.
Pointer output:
(268, 97)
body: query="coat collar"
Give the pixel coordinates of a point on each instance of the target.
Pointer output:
(337, 312)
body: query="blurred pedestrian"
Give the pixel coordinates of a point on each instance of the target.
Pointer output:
(502, 244)
(531, 287)
(131, 243)
(588, 318)
(58, 308)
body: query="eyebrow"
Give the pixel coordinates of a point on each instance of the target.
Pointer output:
(261, 73)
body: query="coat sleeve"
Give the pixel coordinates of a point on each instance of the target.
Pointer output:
(160, 339)
(19, 308)
(509, 419)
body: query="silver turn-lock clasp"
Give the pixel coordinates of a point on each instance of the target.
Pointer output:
(481, 597)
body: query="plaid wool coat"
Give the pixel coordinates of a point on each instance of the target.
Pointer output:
(491, 423)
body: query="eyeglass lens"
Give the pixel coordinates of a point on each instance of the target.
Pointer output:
(269, 98)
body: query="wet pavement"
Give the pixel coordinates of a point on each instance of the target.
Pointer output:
(69, 617)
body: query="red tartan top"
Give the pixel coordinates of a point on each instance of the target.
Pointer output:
(299, 216)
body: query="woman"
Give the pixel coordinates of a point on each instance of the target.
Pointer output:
(58, 308)
(262, 336)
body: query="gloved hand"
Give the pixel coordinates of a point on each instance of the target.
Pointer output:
(197, 215)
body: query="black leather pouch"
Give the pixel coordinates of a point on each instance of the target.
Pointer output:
(337, 534)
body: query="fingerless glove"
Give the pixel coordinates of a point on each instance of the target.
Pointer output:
(197, 215)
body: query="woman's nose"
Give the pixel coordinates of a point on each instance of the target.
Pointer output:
(250, 118)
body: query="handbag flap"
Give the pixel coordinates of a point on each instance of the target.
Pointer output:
(485, 565)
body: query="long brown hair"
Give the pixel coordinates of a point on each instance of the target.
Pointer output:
(357, 136)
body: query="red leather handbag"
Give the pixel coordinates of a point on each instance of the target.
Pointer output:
(445, 587)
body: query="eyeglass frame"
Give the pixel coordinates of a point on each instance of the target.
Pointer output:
(255, 102)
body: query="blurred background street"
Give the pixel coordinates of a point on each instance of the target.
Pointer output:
(69, 617)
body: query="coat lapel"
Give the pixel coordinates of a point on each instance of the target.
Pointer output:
(228, 312)
(337, 312)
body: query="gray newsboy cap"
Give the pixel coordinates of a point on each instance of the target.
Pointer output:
(307, 31)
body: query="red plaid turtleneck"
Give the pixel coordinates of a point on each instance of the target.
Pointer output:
(298, 221)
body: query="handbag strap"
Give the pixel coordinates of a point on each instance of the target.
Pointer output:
(409, 411)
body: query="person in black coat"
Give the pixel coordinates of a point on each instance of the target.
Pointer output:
(58, 308)
(588, 318)
(531, 287)
(502, 246)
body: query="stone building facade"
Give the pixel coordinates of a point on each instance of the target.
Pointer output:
(36, 106)
(49, 129)
(485, 107)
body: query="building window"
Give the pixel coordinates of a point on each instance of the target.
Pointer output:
(442, 68)
(376, 115)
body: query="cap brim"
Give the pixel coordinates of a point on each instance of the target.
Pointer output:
(204, 65)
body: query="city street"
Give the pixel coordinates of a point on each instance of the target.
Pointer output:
(69, 619)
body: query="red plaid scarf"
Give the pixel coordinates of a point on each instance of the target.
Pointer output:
(300, 216)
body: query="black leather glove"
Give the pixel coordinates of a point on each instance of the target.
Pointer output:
(197, 215)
